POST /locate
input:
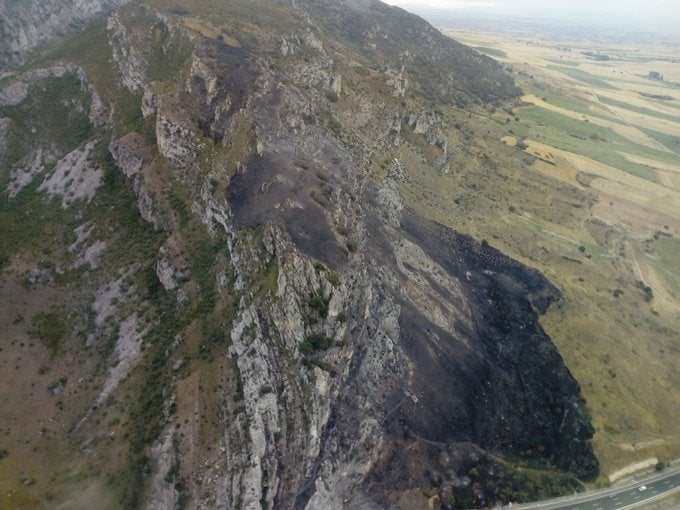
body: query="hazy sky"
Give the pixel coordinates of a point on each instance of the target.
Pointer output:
(665, 12)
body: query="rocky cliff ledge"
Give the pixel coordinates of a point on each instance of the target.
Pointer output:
(25, 25)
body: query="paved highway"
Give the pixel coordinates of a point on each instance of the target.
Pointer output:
(629, 496)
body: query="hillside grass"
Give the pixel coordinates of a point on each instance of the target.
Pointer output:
(238, 22)
(583, 76)
(596, 142)
(47, 115)
(669, 141)
(568, 100)
(100, 69)
(30, 222)
(638, 109)
(618, 343)
(666, 259)
(54, 319)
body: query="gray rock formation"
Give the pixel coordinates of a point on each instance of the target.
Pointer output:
(27, 24)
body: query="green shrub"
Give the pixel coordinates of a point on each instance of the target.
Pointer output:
(320, 198)
(334, 278)
(649, 293)
(602, 481)
(313, 362)
(51, 329)
(318, 303)
(314, 343)
(301, 162)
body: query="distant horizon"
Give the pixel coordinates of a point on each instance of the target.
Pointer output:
(650, 15)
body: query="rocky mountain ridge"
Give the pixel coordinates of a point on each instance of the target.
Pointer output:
(270, 326)
(25, 25)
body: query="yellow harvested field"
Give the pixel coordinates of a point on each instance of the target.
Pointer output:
(653, 163)
(510, 141)
(669, 174)
(531, 98)
(647, 86)
(669, 70)
(658, 198)
(648, 121)
(637, 136)
(614, 181)
(670, 179)
(627, 131)
(636, 100)
(561, 169)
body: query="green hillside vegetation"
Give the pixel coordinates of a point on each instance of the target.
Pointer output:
(584, 76)
(618, 322)
(596, 142)
(669, 141)
(639, 109)
(561, 97)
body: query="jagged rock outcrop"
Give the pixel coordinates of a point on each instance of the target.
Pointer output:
(425, 340)
(163, 458)
(127, 156)
(73, 178)
(413, 51)
(130, 63)
(18, 89)
(26, 25)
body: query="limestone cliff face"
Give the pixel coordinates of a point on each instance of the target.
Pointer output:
(302, 338)
(408, 337)
(27, 24)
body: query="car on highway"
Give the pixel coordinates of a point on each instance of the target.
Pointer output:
(642, 488)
